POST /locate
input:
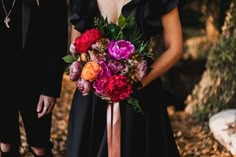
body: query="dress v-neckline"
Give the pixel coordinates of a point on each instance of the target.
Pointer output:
(121, 9)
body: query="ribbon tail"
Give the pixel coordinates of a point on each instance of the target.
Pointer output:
(113, 129)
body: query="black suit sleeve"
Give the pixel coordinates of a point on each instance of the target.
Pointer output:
(57, 44)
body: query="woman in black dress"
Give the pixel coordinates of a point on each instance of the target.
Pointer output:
(147, 135)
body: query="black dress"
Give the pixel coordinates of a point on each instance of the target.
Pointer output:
(147, 135)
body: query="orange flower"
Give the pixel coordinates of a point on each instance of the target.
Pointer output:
(90, 71)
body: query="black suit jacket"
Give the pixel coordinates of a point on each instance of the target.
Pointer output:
(26, 11)
(34, 46)
(44, 43)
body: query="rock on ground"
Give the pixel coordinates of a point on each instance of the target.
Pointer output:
(223, 127)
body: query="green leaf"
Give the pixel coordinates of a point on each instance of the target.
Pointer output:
(67, 70)
(121, 21)
(135, 104)
(130, 21)
(69, 58)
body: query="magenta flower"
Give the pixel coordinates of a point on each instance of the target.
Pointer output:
(75, 70)
(102, 79)
(84, 86)
(120, 49)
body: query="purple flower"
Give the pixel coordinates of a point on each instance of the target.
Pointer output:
(115, 66)
(141, 69)
(84, 86)
(75, 70)
(102, 79)
(120, 49)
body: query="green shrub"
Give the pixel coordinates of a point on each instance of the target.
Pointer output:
(221, 65)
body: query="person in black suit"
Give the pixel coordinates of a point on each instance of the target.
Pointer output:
(33, 40)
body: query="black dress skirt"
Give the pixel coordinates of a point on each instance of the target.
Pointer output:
(147, 135)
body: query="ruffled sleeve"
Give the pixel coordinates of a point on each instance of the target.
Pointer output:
(167, 5)
(82, 14)
(151, 12)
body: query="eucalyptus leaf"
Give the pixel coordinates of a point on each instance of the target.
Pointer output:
(130, 21)
(135, 104)
(122, 21)
(69, 59)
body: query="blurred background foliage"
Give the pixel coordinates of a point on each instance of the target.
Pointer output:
(216, 90)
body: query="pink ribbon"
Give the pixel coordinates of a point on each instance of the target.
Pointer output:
(113, 129)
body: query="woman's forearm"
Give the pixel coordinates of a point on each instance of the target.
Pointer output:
(74, 33)
(161, 65)
(174, 46)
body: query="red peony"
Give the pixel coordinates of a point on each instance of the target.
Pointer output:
(118, 88)
(83, 42)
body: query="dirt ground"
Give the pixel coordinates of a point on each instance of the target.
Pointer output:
(193, 139)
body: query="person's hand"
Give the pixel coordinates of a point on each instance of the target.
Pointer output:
(45, 105)
(138, 86)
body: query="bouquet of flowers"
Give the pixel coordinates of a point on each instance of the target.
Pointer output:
(109, 60)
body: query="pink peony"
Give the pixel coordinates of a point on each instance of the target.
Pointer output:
(84, 86)
(120, 49)
(118, 88)
(75, 70)
(102, 79)
(83, 42)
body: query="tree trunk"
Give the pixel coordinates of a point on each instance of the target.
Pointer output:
(214, 11)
